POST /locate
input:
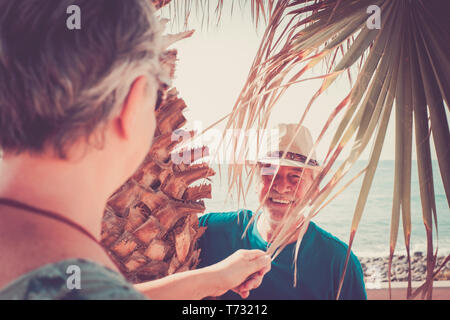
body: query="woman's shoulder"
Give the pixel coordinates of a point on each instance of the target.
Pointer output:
(71, 279)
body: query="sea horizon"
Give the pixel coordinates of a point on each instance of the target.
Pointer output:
(373, 234)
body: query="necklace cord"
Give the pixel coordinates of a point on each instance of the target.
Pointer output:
(48, 214)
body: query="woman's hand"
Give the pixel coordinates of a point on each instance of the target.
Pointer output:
(253, 282)
(241, 272)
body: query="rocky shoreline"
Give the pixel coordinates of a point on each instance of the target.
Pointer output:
(376, 268)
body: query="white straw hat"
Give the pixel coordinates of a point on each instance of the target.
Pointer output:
(298, 151)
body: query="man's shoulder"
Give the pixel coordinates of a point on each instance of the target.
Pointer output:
(335, 248)
(333, 252)
(224, 219)
(326, 237)
(223, 235)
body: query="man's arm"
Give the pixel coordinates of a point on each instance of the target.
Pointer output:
(354, 287)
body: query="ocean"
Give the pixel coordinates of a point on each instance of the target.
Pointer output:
(372, 236)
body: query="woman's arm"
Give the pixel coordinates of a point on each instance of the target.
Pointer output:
(212, 281)
(193, 284)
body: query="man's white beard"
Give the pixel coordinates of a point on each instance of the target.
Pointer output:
(266, 216)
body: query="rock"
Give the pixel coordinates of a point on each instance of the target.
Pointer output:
(377, 268)
(419, 269)
(403, 277)
(399, 269)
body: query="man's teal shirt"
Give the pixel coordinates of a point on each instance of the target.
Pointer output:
(320, 263)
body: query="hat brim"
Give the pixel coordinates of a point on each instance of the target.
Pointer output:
(288, 163)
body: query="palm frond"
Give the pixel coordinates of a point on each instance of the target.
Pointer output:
(387, 76)
(403, 66)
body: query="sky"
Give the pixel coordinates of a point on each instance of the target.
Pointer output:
(214, 64)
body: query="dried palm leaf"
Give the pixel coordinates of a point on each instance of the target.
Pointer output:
(403, 65)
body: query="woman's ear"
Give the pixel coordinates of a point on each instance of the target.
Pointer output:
(136, 99)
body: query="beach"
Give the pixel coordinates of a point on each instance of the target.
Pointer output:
(376, 277)
(376, 268)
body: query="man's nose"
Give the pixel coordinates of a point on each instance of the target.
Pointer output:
(281, 185)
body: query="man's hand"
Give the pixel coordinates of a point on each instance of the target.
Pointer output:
(241, 272)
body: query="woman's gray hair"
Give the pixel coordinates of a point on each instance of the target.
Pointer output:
(58, 85)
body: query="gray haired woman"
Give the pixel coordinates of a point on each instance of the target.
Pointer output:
(75, 106)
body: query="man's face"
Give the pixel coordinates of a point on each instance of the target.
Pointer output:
(288, 189)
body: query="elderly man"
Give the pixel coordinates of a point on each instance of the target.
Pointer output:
(77, 118)
(321, 257)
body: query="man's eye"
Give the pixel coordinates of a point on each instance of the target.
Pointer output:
(268, 171)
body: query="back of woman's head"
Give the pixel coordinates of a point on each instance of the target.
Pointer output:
(57, 84)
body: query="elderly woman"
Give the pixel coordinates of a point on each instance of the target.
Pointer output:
(76, 120)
